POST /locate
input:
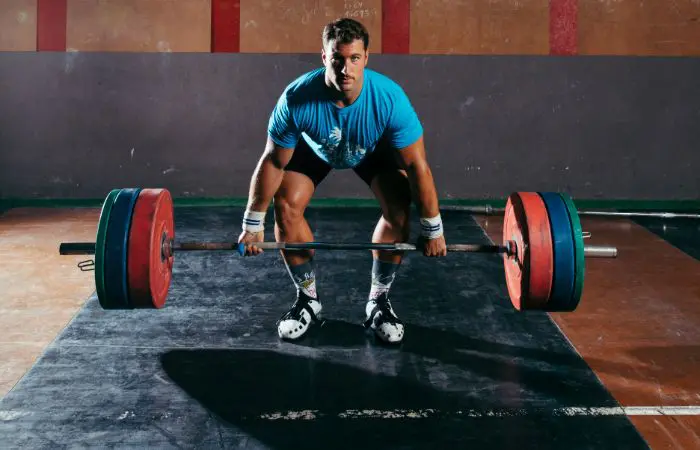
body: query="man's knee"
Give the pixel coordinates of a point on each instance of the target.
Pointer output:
(394, 194)
(397, 214)
(396, 208)
(291, 199)
(287, 211)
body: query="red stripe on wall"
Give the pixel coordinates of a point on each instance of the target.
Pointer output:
(396, 26)
(226, 26)
(563, 21)
(51, 17)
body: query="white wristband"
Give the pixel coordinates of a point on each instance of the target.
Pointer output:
(431, 227)
(253, 221)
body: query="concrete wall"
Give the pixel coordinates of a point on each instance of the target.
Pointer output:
(597, 98)
(78, 124)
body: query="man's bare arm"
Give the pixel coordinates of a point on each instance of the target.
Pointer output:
(267, 176)
(424, 194)
(413, 160)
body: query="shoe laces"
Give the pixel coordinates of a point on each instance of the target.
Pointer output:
(383, 306)
(300, 304)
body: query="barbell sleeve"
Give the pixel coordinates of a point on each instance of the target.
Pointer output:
(77, 248)
(593, 251)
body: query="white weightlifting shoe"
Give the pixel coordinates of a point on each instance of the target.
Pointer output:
(383, 320)
(295, 322)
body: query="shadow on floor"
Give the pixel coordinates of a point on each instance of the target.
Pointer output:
(562, 376)
(289, 401)
(683, 233)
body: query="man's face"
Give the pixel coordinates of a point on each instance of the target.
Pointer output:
(345, 64)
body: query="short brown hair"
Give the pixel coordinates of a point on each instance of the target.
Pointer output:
(345, 31)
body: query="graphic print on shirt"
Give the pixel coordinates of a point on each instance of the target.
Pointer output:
(338, 150)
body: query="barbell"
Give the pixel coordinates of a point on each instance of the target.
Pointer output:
(543, 250)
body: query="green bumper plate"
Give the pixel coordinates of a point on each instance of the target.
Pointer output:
(580, 264)
(100, 245)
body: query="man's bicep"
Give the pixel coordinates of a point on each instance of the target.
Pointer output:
(279, 155)
(412, 155)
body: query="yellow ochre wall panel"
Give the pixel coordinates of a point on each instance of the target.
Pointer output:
(295, 26)
(17, 25)
(639, 27)
(480, 27)
(139, 26)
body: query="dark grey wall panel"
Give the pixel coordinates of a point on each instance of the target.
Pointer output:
(79, 124)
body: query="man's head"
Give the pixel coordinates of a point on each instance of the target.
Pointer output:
(345, 53)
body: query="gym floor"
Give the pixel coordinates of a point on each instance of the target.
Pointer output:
(209, 371)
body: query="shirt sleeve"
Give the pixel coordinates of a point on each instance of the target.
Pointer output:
(404, 127)
(281, 127)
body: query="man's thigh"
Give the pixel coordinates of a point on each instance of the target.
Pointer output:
(304, 161)
(381, 161)
(387, 180)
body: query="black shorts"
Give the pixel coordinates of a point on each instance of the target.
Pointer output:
(305, 161)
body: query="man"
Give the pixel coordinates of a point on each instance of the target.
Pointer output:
(338, 117)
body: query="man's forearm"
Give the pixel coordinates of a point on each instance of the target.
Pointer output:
(266, 179)
(423, 189)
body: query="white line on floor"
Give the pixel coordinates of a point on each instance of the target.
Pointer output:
(572, 411)
(311, 414)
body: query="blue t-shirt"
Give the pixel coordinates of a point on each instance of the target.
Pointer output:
(343, 136)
